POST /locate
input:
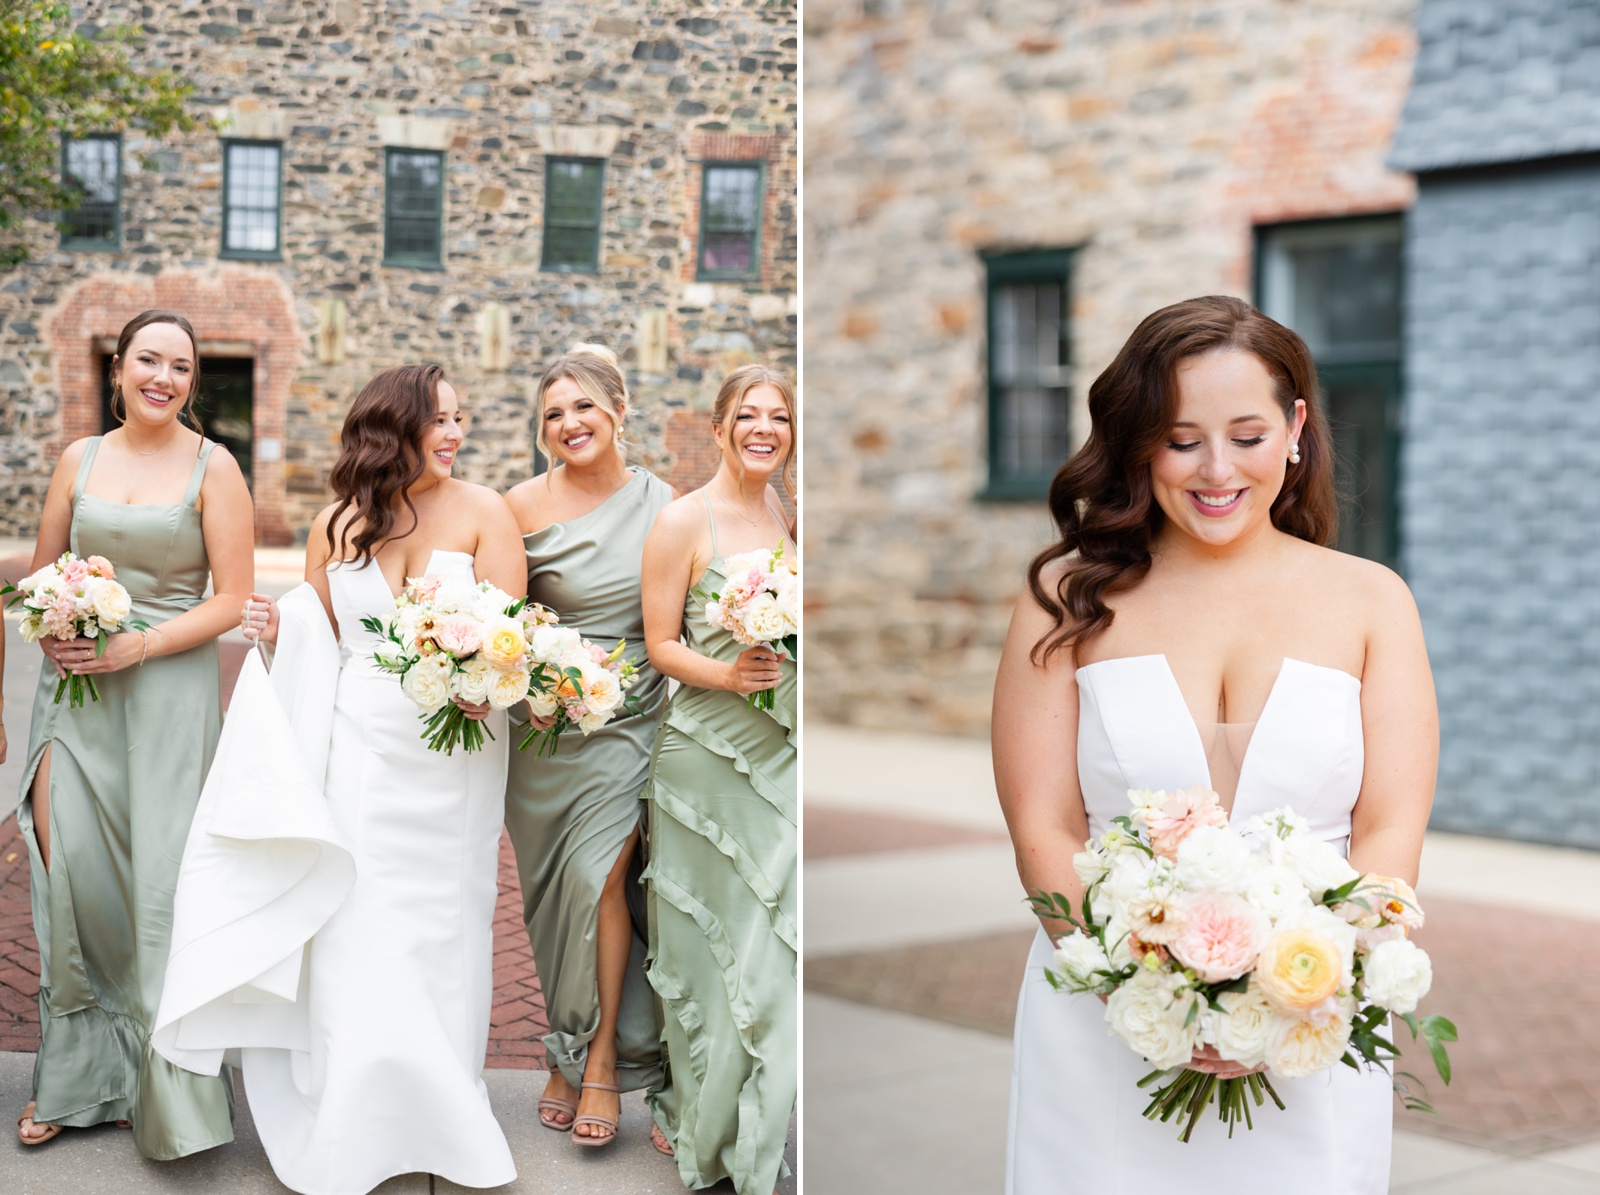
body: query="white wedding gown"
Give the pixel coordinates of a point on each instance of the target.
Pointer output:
(1076, 1111)
(363, 1049)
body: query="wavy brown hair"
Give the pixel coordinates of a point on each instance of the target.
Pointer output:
(144, 319)
(380, 457)
(730, 397)
(1101, 499)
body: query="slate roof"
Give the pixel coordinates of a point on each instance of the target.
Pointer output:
(1501, 81)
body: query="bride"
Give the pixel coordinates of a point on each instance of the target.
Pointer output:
(1189, 626)
(333, 919)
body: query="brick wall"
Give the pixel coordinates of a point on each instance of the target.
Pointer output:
(1499, 502)
(1151, 134)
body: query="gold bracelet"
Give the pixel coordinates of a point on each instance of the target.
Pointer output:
(144, 646)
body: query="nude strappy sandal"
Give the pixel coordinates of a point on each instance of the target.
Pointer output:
(549, 1103)
(604, 1122)
(27, 1114)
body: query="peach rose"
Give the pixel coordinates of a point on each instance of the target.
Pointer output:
(1299, 968)
(1180, 813)
(101, 567)
(459, 634)
(1221, 937)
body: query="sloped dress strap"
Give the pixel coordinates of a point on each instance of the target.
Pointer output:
(199, 474)
(712, 519)
(84, 466)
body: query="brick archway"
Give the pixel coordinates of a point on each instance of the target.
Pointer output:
(234, 310)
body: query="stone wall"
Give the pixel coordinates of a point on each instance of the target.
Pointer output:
(654, 89)
(1499, 503)
(1150, 134)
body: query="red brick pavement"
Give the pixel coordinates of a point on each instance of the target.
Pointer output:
(1519, 986)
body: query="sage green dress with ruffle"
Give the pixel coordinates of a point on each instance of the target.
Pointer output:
(722, 819)
(125, 777)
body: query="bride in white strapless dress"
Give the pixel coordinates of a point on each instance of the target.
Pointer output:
(1245, 656)
(334, 922)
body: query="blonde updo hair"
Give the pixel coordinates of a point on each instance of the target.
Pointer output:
(731, 397)
(594, 369)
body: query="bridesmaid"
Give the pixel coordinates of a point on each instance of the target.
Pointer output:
(109, 789)
(574, 816)
(722, 816)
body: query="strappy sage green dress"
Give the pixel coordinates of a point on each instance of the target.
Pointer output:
(570, 813)
(125, 776)
(722, 812)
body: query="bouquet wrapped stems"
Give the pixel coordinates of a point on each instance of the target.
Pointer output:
(449, 727)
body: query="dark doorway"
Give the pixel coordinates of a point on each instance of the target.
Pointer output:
(227, 397)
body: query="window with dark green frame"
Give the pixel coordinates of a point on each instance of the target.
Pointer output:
(1338, 284)
(574, 198)
(1029, 368)
(252, 177)
(413, 208)
(92, 167)
(731, 201)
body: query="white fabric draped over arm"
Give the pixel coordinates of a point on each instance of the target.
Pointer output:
(264, 867)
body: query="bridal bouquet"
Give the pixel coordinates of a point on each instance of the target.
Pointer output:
(455, 638)
(1262, 943)
(759, 604)
(572, 679)
(70, 599)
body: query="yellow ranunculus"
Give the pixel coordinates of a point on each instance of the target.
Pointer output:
(1299, 968)
(503, 641)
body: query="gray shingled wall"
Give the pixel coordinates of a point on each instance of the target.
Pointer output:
(1500, 498)
(1500, 81)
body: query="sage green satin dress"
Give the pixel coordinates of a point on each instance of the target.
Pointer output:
(721, 896)
(570, 813)
(125, 777)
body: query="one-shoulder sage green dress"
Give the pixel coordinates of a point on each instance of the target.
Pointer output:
(722, 812)
(570, 813)
(125, 776)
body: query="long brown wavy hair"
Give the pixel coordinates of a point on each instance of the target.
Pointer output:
(380, 457)
(1101, 499)
(119, 405)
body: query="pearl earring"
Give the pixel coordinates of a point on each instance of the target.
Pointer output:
(1294, 454)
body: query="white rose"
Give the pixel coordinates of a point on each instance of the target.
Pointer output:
(788, 598)
(1276, 891)
(31, 628)
(761, 619)
(543, 704)
(472, 682)
(593, 721)
(1078, 957)
(601, 692)
(550, 643)
(1243, 1027)
(427, 683)
(507, 688)
(1151, 1013)
(1092, 864)
(714, 614)
(1215, 859)
(1396, 975)
(456, 596)
(1318, 865)
(743, 562)
(1299, 1049)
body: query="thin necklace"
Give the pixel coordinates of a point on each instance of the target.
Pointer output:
(755, 522)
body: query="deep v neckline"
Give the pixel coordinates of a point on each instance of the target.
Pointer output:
(394, 598)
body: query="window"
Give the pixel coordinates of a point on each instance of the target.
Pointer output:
(92, 167)
(413, 208)
(731, 196)
(1030, 370)
(1337, 283)
(251, 177)
(574, 194)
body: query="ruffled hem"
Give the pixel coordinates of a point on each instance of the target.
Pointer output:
(780, 796)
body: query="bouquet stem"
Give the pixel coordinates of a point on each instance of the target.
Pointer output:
(449, 726)
(763, 699)
(74, 686)
(1190, 1092)
(549, 739)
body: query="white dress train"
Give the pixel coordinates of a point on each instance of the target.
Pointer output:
(1076, 1113)
(360, 1004)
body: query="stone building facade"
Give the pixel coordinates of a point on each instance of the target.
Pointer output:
(1141, 149)
(640, 102)
(1502, 363)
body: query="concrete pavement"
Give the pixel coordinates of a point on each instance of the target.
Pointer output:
(912, 906)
